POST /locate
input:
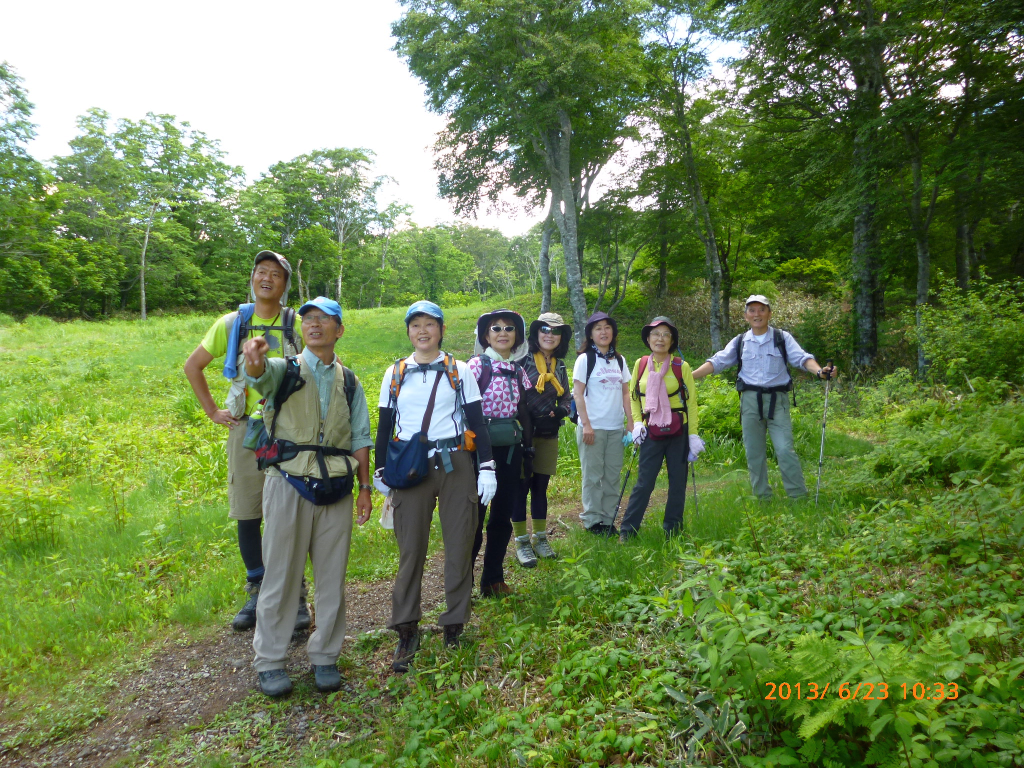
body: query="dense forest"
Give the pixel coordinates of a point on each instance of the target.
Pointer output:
(856, 151)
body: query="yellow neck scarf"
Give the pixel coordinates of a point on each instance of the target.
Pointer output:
(543, 376)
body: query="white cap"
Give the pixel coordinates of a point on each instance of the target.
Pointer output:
(759, 299)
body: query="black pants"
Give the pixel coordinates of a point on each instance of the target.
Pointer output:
(537, 488)
(653, 453)
(499, 524)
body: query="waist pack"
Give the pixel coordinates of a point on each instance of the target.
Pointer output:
(407, 463)
(546, 426)
(673, 429)
(321, 491)
(504, 431)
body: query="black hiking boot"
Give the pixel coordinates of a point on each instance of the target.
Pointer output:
(302, 618)
(453, 635)
(408, 644)
(246, 618)
(327, 677)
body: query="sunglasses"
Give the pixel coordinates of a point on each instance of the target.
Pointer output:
(549, 330)
(505, 328)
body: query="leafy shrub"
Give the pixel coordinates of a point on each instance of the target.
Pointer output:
(935, 440)
(817, 276)
(975, 333)
(460, 299)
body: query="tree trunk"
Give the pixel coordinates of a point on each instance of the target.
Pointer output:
(545, 259)
(557, 143)
(702, 220)
(662, 256)
(142, 261)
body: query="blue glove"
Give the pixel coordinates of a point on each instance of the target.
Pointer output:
(627, 439)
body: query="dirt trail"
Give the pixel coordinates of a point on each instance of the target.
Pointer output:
(189, 683)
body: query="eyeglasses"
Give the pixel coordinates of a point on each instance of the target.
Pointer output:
(548, 330)
(315, 319)
(500, 328)
(659, 336)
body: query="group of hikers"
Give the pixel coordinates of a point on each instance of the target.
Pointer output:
(470, 439)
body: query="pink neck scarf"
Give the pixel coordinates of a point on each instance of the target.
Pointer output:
(657, 394)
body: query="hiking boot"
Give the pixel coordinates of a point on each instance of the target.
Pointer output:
(541, 546)
(327, 677)
(497, 589)
(598, 529)
(302, 618)
(524, 552)
(626, 536)
(246, 618)
(453, 635)
(275, 682)
(408, 644)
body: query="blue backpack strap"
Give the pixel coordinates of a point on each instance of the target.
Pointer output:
(245, 313)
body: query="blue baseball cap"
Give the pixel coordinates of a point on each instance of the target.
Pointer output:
(424, 308)
(329, 306)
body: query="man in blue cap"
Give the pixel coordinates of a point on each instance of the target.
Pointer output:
(319, 442)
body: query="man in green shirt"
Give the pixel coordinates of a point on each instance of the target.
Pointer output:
(268, 317)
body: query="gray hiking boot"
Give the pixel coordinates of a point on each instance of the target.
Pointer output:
(524, 552)
(408, 644)
(246, 618)
(541, 546)
(275, 682)
(327, 677)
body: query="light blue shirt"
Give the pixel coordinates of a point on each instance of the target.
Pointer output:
(323, 375)
(762, 362)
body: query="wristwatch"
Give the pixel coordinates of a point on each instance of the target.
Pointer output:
(365, 487)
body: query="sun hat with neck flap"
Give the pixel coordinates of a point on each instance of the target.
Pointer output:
(554, 321)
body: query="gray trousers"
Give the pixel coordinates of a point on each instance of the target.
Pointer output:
(600, 465)
(454, 495)
(653, 453)
(293, 528)
(755, 431)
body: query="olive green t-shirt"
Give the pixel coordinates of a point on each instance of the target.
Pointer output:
(216, 343)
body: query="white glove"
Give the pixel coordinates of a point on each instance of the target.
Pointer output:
(696, 447)
(639, 433)
(378, 481)
(486, 486)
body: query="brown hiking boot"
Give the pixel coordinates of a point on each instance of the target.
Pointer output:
(453, 635)
(408, 644)
(497, 589)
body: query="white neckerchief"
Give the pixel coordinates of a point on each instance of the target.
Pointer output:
(495, 356)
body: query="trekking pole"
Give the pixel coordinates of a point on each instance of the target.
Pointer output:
(693, 478)
(824, 418)
(629, 471)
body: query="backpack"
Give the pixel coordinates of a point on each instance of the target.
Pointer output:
(779, 340)
(504, 431)
(574, 416)
(452, 372)
(267, 448)
(677, 369)
(287, 326)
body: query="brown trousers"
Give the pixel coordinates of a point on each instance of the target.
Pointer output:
(454, 494)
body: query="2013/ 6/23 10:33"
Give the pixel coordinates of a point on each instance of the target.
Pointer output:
(864, 691)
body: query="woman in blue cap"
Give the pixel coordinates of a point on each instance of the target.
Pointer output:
(431, 402)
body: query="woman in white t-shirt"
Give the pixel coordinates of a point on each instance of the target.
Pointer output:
(601, 391)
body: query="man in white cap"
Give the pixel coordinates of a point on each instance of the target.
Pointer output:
(763, 355)
(264, 315)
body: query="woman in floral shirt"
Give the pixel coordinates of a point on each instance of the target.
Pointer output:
(503, 384)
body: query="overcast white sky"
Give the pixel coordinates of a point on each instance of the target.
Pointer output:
(269, 80)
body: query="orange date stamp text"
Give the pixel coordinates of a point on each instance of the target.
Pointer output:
(862, 691)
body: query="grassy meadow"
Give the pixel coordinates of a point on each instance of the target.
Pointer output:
(114, 534)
